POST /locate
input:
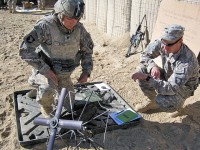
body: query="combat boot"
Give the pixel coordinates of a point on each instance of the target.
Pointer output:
(32, 93)
(176, 113)
(145, 106)
(46, 112)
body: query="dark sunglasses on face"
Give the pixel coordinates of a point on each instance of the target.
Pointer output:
(171, 44)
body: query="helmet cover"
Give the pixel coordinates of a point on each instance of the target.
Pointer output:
(70, 8)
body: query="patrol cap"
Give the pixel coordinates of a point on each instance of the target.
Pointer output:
(172, 32)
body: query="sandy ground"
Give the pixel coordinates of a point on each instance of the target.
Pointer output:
(156, 130)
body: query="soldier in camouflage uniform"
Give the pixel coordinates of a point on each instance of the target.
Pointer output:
(41, 4)
(169, 87)
(11, 5)
(55, 47)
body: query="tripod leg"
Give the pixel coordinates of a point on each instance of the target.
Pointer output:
(76, 148)
(129, 51)
(93, 142)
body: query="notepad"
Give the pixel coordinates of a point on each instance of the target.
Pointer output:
(124, 116)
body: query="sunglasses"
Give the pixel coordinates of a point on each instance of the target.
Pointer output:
(171, 44)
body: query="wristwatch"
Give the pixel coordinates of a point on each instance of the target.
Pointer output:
(148, 78)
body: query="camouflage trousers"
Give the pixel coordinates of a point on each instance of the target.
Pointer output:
(167, 103)
(41, 4)
(12, 5)
(47, 93)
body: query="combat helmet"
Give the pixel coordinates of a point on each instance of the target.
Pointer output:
(70, 8)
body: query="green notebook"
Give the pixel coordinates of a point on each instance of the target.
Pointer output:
(127, 116)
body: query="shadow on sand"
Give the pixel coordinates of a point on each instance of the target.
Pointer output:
(148, 135)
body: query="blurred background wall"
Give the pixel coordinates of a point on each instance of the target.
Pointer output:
(116, 17)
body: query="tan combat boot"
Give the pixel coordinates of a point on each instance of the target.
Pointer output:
(32, 93)
(145, 106)
(46, 112)
(176, 113)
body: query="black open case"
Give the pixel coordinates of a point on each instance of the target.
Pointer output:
(101, 100)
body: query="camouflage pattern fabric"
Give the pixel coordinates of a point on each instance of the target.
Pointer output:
(179, 76)
(51, 46)
(47, 93)
(172, 32)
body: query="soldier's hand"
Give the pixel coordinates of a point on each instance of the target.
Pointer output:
(53, 77)
(155, 72)
(83, 78)
(139, 76)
